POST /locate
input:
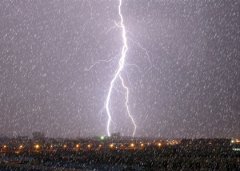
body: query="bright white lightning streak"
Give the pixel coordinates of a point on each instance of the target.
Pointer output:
(121, 64)
(126, 104)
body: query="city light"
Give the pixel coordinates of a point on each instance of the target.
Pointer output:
(132, 145)
(36, 146)
(236, 149)
(111, 145)
(235, 141)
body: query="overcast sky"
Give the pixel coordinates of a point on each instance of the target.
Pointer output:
(182, 67)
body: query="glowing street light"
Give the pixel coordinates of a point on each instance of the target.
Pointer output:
(37, 146)
(111, 145)
(235, 141)
(132, 145)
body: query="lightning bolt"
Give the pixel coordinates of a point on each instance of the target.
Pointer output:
(117, 75)
(126, 104)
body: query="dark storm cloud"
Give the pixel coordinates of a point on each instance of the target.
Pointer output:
(192, 89)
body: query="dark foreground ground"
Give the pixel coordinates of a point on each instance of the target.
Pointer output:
(178, 157)
(149, 159)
